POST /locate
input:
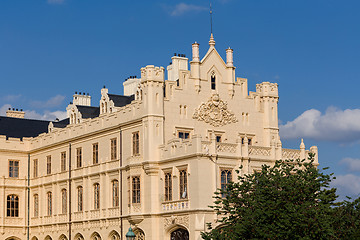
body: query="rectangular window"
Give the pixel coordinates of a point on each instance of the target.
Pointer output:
(36, 205)
(184, 135)
(14, 168)
(135, 139)
(36, 168)
(168, 186)
(63, 201)
(80, 198)
(115, 193)
(136, 189)
(63, 161)
(218, 138)
(95, 153)
(48, 165)
(49, 203)
(213, 83)
(183, 184)
(96, 196)
(113, 148)
(226, 177)
(79, 157)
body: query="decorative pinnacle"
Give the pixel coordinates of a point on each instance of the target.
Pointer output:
(302, 145)
(212, 41)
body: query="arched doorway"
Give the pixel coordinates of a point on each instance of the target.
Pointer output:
(179, 234)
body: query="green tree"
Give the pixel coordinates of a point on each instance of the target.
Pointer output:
(290, 200)
(347, 219)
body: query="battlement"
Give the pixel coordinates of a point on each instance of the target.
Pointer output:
(267, 89)
(152, 73)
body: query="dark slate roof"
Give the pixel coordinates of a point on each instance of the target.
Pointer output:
(61, 124)
(120, 100)
(20, 127)
(88, 112)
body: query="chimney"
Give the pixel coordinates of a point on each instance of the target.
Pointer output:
(15, 113)
(81, 99)
(229, 57)
(195, 52)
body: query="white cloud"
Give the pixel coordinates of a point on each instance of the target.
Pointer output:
(11, 98)
(55, 1)
(347, 185)
(353, 164)
(3, 109)
(182, 8)
(52, 102)
(335, 125)
(47, 115)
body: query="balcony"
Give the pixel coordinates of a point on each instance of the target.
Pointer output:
(178, 205)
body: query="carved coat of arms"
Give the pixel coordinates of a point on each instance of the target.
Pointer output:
(214, 112)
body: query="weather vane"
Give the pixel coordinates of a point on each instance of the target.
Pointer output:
(211, 19)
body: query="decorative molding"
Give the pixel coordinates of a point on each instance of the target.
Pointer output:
(180, 220)
(215, 112)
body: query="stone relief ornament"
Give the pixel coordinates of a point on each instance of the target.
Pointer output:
(215, 112)
(180, 220)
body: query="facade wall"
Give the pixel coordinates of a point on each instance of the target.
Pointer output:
(191, 133)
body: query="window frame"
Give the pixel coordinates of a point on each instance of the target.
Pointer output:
(36, 205)
(136, 190)
(79, 162)
(14, 168)
(136, 143)
(80, 195)
(113, 148)
(183, 183)
(168, 186)
(95, 153)
(115, 193)
(63, 161)
(12, 205)
(35, 168)
(63, 201)
(48, 165)
(227, 179)
(96, 196)
(49, 203)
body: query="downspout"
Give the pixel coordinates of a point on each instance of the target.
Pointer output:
(69, 190)
(121, 190)
(28, 199)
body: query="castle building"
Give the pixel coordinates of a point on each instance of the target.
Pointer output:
(150, 159)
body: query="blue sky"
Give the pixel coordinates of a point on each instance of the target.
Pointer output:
(51, 48)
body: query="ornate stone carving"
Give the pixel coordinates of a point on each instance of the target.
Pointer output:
(215, 112)
(180, 220)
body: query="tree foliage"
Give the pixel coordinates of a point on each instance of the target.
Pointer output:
(290, 200)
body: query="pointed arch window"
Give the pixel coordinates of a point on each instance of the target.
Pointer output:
(12, 208)
(213, 81)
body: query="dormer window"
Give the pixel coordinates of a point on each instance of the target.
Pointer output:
(213, 83)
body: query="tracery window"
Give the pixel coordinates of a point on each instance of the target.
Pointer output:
(115, 193)
(183, 184)
(80, 198)
(226, 177)
(36, 205)
(12, 207)
(63, 201)
(96, 196)
(49, 203)
(136, 189)
(168, 186)
(14, 168)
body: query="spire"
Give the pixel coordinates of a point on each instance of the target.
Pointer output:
(211, 27)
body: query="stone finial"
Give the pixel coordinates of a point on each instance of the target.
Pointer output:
(195, 52)
(302, 145)
(212, 41)
(229, 57)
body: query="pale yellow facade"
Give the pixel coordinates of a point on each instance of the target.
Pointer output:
(154, 163)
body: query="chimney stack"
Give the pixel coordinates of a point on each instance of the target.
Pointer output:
(229, 57)
(195, 52)
(15, 113)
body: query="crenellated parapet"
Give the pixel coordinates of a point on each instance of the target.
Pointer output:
(152, 73)
(267, 89)
(14, 144)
